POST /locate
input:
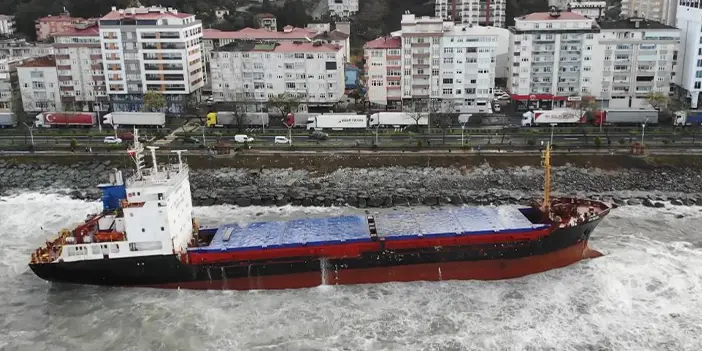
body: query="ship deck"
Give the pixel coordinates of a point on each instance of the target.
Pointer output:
(401, 225)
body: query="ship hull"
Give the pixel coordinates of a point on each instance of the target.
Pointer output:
(562, 247)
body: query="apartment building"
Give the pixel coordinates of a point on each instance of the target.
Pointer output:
(343, 8)
(80, 71)
(266, 21)
(636, 58)
(663, 11)
(21, 48)
(8, 80)
(476, 12)
(39, 85)
(689, 69)
(589, 9)
(383, 57)
(252, 72)
(47, 26)
(421, 56)
(151, 49)
(554, 58)
(7, 25)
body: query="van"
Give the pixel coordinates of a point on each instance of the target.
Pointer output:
(242, 138)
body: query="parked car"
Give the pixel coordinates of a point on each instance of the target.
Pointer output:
(502, 96)
(112, 140)
(319, 136)
(243, 138)
(281, 140)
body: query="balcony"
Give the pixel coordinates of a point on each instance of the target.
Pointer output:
(420, 45)
(63, 67)
(420, 54)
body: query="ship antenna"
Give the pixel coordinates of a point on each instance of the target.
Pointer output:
(137, 154)
(153, 157)
(547, 179)
(180, 158)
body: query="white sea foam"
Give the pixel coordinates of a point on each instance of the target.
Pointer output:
(645, 294)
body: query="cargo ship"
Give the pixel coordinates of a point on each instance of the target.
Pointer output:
(146, 236)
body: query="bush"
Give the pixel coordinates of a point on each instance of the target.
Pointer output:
(531, 142)
(374, 147)
(74, 144)
(598, 142)
(622, 141)
(420, 144)
(666, 141)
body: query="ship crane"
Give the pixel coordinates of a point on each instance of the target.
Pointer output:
(546, 163)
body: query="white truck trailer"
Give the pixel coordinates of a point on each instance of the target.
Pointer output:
(398, 119)
(337, 121)
(154, 119)
(547, 117)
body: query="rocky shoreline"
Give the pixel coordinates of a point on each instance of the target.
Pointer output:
(380, 187)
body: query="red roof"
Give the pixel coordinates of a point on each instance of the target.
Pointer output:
(546, 16)
(92, 31)
(144, 15)
(254, 33)
(384, 43)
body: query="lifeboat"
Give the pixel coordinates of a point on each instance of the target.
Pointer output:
(109, 236)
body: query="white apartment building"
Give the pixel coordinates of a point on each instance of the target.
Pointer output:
(8, 80)
(589, 9)
(689, 68)
(7, 25)
(554, 58)
(151, 49)
(656, 10)
(39, 85)
(636, 58)
(343, 8)
(476, 12)
(421, 56)
(252, 72)
(383, 57)
(21, 48)
(80, 71)
(468, 59)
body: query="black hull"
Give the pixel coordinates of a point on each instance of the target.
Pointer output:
(494, 261)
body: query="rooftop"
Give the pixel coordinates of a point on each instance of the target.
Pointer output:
(89, 31)
(44, 61)
(6, 17)
(631, 23)
(384, 43)
(60, 18)
(154, 12)
(301, 46)
(259, 33)
(265, 15)
(333, 35)
(546, 16)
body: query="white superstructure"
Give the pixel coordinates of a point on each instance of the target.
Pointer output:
(154, 218)
(689, 68)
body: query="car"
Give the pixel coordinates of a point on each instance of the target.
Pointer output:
(126, 136)
(243, 138)
(503, 96)
(281, 140)
(319, 136)
(112, 140)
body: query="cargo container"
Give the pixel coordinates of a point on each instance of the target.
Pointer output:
(142, 119)
(337, 121)
(231, 119)
(65, 119)
(398, 119)
(8, 120)
(626, 116)
(557, 116)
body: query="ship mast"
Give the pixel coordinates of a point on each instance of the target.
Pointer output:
(546, 162)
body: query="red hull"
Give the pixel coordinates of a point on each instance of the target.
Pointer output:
(465, 270)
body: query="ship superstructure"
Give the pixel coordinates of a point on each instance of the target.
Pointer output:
(145, 235)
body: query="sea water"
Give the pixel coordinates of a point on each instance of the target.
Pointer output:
(645, 294)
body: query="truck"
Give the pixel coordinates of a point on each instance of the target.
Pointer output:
(337, 121)
(398, 119)
(688, 118)
(626, 116)
(65, 119)
(143, 119)
(8, 120)
(555, 116)
(221, 119)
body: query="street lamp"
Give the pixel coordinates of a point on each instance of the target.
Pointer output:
(643, 129)
(31, 135)
(553, 125)
(463, 119)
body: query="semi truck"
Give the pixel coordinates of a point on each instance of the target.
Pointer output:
(337, 121)
(556, 116)
(626, 116)
(688, 118)
(65, 119)
(221, 119)
(8, 120)
(398, 119)
(143, 119)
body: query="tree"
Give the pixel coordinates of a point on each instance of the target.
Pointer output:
(284, 103)
(657, 100)
(193, 107)
(154, 101)
(417, 117)
(18, 107)
(239, 115)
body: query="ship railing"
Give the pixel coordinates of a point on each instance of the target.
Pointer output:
(165, 175)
